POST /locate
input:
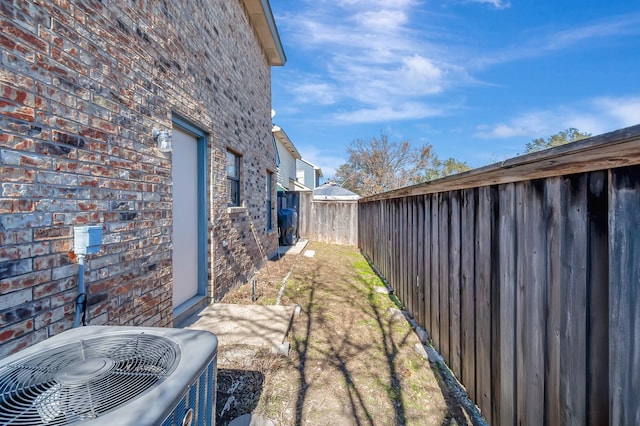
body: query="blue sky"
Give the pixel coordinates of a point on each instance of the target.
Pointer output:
(477, 79)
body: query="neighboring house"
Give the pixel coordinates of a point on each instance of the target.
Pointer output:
(288, 154)
(83, 86)
(308, 174)
(288, 187)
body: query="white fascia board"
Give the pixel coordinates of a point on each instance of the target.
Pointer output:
(265, 27)
(283, 138)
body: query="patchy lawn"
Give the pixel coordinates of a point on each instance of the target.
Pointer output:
(350, 361)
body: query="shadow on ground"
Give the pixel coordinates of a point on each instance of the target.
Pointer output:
(352, 359)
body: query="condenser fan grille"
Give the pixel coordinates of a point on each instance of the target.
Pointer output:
(83, 380)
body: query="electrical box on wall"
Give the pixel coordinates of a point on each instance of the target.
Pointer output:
(87, 239)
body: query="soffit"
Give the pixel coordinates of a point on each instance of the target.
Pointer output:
(264, 25)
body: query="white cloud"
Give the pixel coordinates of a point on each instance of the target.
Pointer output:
(373, 55)
(316, 93)
(617, 26)
(383, 19)
(387, 113)
(377, 4)
(544, 42)
(405, 81)
(421, 74)
(498, 4)
(500, 131)
(595, 116)
(625, 111)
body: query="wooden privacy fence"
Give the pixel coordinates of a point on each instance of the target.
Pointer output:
(334, 222)
(527, 276)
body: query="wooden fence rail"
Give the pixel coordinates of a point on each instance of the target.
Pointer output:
(527, 276)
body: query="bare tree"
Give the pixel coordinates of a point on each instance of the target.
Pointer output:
(380, 164)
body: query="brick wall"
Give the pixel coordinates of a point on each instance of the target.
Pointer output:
(82, 85)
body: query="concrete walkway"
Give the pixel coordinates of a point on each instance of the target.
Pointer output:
(251, 325)
(297, 248)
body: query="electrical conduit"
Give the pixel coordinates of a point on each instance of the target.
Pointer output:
(81, 300)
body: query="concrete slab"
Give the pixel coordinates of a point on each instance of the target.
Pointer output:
(252, 325)
(294, 249)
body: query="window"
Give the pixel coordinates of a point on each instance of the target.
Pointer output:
(269, 201)
(233, 179)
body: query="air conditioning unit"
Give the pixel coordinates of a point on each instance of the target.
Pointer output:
(101, 375)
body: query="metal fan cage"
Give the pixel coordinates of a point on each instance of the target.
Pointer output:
(85, 379)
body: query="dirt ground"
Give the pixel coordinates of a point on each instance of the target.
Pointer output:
(351, 361)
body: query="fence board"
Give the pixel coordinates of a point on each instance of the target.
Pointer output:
(406, 206)
(530, 312)
(409, 277)
(401, 261)
(506, 390)
(467, 286)
(553, 207)
(403, 252)
(415, 276)
(454, 284)
(393, 252)
(521, 277)
(386, 254)
(494, 195)
(408, 266)
(304, 214)
(624, 296)
(420, 260)
(397, 264)
(388, 227)
(392, 248)
(428, 262)
(444, 277)
(573, 345)
(598, 374)
(483, 301)
(435, 270)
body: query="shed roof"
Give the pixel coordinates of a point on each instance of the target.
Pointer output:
(331, 191)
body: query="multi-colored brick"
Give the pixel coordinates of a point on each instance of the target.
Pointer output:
(82, 85)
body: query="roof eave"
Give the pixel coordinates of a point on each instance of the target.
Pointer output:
(283, 138)
(265, 27)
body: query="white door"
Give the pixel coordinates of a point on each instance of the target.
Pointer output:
(185, 216)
